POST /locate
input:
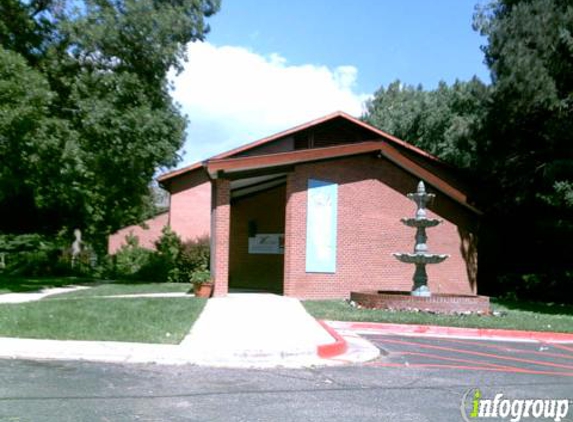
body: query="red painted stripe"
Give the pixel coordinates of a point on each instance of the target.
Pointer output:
(458, 331)
(490, 355)
(437, 357)
(510, 349)
(560, 346)
(331, 350)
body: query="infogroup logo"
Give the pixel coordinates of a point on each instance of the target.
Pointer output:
(475, 406)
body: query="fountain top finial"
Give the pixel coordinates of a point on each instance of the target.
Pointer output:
(421, 198)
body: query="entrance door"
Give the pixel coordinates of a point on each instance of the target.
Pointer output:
(256, 260)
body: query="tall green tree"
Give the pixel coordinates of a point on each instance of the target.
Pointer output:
(529, 135)
(530, 121)
(445, 122)
(515, 135)
(103, 119)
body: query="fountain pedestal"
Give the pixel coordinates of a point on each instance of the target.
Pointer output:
(421, 257)
(420, 298)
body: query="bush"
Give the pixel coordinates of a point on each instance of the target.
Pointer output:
(30, 255)
(32, 263)
(130, 259)
(166, 260)
(195, 255)
(173, 261)
(554, 286)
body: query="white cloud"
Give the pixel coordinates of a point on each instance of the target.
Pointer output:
(233, 96)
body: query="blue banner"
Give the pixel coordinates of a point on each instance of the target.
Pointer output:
(321, 226)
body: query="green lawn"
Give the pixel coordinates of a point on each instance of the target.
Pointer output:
(114, 289)
(147, 320)
(85, 315)
(516, 316)
(35, 284)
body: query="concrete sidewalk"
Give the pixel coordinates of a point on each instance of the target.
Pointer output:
(258, 330)
(34, 296)
(263, 325)
(240, 330)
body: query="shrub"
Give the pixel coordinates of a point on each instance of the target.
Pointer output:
(195, 255)
(165, 263)
(169, 246)
(554, 286)
(30, 255)
(173, 260)
(130, 259)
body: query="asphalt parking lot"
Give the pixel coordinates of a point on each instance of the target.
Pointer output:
(475, 355)
(415, 380)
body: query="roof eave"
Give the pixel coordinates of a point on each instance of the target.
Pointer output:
(220, 167)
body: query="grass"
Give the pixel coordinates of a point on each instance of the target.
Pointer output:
(115, 289)
(528, 316)
(147, 320)
(98, 287)
(85, 315)
(35, 284)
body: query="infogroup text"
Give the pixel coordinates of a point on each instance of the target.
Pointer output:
(512, 409)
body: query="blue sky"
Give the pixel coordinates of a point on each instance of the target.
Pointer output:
(269, 65)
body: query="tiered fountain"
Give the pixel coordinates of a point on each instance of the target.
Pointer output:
(421, 257)
(420, 298)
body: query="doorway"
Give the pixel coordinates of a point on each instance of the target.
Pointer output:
(256, 249)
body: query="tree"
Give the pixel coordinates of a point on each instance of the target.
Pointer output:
(445, 122)
(530, 122)
(514, 135)
(104, 120)
(27, 136)
(528, 128)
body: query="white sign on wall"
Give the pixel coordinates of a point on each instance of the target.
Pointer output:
(321, 226)
(268, 243)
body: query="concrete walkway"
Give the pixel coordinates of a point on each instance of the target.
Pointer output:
(34, 296)
(255, 329)
(240, 330)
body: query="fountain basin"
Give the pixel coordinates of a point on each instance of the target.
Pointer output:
(420, 222)
(441, 303)
(420, 258)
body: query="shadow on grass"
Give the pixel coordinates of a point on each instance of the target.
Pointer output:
(15, 284)
(12, 284)
(537, 307)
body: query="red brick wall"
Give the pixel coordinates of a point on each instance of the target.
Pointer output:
(190, 205)
(189, 213)
(444, 304)
(371, 201)
(257, 271)
(221, 222)
(147, 233)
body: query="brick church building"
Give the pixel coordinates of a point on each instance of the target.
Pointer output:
(314, 212)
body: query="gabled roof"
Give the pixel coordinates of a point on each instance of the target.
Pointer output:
(337, 115)
(258, 162)
(399, 152)
(238, 165)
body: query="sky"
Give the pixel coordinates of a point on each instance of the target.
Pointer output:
(268, 65)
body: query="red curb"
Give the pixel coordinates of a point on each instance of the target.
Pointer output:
(331, 350)
(484, 333)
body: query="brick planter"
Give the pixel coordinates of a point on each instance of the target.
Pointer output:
(438, 303)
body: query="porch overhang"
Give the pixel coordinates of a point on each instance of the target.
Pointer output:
(228, 166)
(280, 163)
